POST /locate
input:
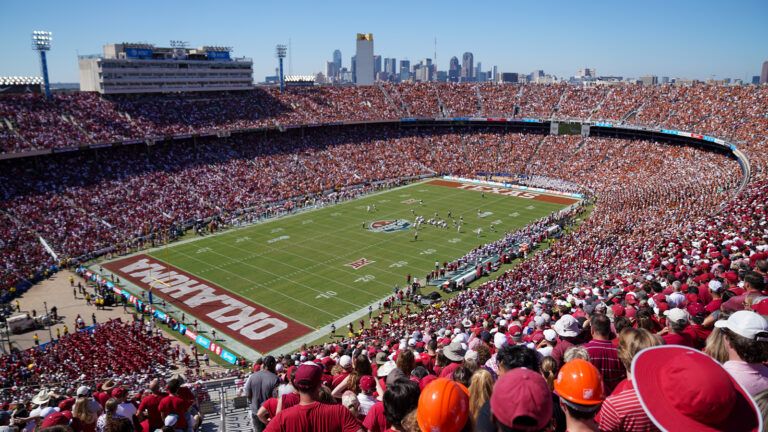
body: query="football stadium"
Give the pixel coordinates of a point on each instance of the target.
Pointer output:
(182, 249)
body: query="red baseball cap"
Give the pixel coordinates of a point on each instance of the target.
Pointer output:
(618, 310)
(522, 393)
(695, 308)
(119, 392)
(308, 377)
(761, 307)
(57, 419)
(328, 362)
(669, 385)
(731, 276)
(367, 382)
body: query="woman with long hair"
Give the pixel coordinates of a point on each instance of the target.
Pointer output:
(480, 389)
(110, 407)
(549, 370)
(352, 382)
(406, 362)
(84, 412)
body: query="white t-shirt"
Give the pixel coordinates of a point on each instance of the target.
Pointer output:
(366, 402)
(126, 410)
(545, 351)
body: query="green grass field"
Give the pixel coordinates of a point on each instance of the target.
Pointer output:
(296, 265)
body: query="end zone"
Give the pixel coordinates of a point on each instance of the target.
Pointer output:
(527, 194)
(245, 321)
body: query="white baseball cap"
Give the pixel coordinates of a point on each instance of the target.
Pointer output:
(677, 315)
(747, 324)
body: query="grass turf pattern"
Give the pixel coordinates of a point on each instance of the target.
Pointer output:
(299, 266)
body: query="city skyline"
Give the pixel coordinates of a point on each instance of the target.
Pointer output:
(682, 39)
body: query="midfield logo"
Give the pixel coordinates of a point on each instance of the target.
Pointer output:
(390, 226)
(359, 263)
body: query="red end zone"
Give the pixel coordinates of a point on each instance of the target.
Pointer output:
(535, 196)
(243, 320)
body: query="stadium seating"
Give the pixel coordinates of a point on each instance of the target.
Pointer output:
(654, 200)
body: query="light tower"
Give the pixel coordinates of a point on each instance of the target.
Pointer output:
(41, 41)
(280, 51)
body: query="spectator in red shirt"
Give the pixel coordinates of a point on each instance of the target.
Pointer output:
(674, 333)
(568, 330)
(428, 358)
(173, 404)
(148, 412)
(621, 411)
(753, 284)
(603, 354)
(698, 332)
(310, 415)
(455, 354)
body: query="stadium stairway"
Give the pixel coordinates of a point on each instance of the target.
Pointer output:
(389, 98)
(480, 107)
(600, 105)
(15, 132)
(533, 153)
(71, 120)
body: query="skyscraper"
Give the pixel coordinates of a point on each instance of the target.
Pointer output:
(466, 67)
(390, 66)
(337, 59)
(330, 70)
(453, 70)
(764, 73)
(376, 65)
(353, 68)
(364, 59)
(405, 70)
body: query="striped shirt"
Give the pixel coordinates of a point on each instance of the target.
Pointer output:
(622, 412)
(605, 357)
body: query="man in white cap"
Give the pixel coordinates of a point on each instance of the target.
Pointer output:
(567, 329)
(346, 364)
(547, 344)
(746, 337)
(674, 333)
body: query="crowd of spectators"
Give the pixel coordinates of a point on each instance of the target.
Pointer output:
(84, 118)
(668, 250)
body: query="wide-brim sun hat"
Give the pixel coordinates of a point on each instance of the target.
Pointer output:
(682, 389)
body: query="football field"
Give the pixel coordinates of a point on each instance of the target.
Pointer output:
(316, 267)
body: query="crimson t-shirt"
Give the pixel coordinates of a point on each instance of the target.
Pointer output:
(447, 372)
(428, 361)
(684, 339)
(375, 421)
(151, 403)
(175, 405)
(316, 417)
(337, 379)
(289, 400)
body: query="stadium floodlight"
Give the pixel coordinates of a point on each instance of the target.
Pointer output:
(280, 52)
(41, 42)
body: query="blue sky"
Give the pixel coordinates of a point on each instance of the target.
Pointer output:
(697, 39)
